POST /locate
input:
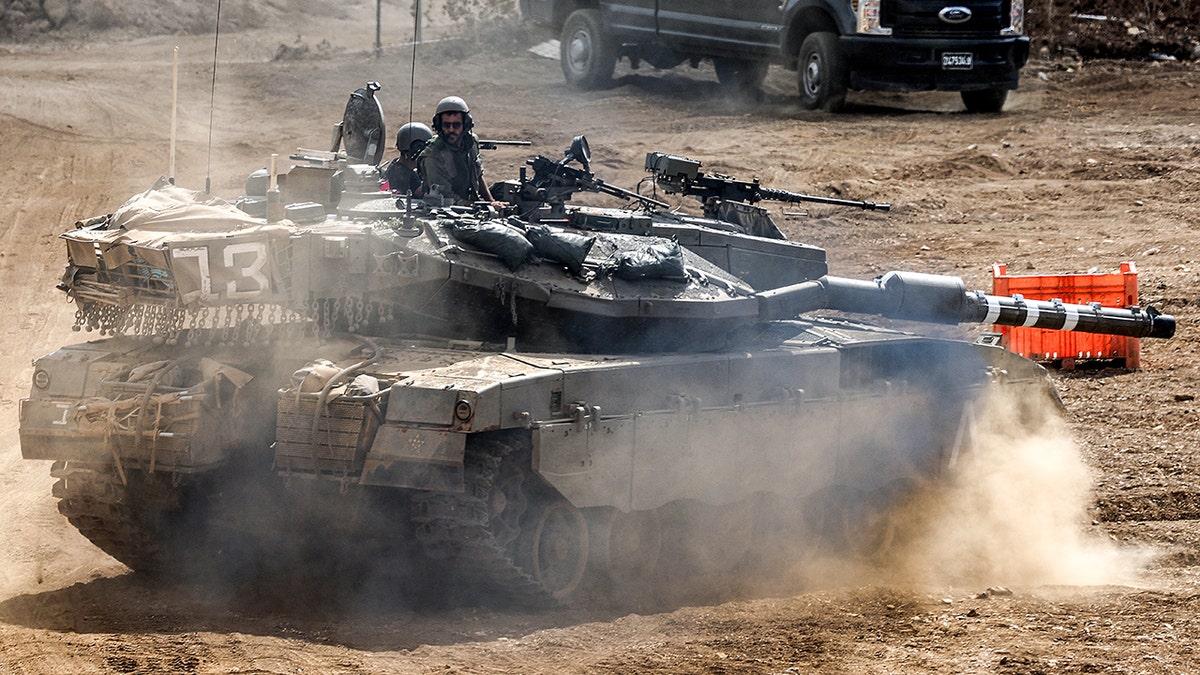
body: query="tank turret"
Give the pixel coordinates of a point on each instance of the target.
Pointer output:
(545, 284)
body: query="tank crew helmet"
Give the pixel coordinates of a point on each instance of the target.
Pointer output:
(412, 137)
(452, 104)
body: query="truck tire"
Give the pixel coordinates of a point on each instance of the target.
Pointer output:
(984, 100)
(740, 76)
(822, 73)
(587, 54)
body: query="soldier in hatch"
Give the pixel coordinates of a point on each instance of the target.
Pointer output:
(450, 165)
(401, 173)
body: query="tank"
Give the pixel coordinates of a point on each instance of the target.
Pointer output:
(525, 404)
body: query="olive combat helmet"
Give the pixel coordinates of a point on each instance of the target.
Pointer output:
(412, 137)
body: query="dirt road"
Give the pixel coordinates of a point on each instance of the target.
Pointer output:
(1087, 538)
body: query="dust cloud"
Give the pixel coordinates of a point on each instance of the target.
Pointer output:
(1013, 511)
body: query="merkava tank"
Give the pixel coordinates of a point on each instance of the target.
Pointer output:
(519, 400)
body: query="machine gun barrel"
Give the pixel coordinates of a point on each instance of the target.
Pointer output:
(943, 299)
(490, 144)
(598, 185)
(778, 195)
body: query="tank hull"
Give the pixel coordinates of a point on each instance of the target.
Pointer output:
(489, 458)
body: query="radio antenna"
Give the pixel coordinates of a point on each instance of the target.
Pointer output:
(412, 72)
(212, 101)
(174, 107)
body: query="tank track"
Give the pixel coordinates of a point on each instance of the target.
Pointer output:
(475, 533)
(125, 519)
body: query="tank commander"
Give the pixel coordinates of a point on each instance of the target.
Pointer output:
(401, 173)
(450, 164)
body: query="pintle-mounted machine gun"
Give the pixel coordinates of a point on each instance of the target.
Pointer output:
(543, 195)
(676, 174)
(733, 201)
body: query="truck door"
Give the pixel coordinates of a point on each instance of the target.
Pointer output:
(743, 28)
(630, 17)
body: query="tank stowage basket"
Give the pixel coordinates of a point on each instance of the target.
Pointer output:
(1110, 290)
(342, 433)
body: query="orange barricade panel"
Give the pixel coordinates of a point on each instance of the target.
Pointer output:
(1110, 290)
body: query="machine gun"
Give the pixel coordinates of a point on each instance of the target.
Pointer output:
(553, 183)
(675, 174)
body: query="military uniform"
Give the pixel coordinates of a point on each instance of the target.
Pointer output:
(455, 172)
(402, 179)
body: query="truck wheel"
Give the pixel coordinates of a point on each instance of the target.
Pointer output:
(739, 76)
(984, 100)
(822, 76)
(587, 54)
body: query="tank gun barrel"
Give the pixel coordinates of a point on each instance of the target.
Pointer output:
(944, 299)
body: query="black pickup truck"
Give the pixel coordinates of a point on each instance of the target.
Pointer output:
(975, 47)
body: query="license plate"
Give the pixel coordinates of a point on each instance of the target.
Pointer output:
(958, 61)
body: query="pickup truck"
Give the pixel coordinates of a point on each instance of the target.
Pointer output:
(975, 47)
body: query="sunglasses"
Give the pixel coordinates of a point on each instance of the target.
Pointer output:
(452, 125)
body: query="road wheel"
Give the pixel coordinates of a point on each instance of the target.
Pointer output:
(984, 100)
(553, 548)
(838, 516)
(822, 76)
(740, 77)
(587, 54)
(625, 546)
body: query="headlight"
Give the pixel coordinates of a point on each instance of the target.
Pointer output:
(41, 379)
(463, 411)
(868, 18)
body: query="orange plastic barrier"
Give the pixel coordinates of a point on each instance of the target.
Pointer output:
(1110, 290)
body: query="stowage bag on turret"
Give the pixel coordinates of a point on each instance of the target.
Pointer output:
(567, 248)
(656, 261)
(505, 242)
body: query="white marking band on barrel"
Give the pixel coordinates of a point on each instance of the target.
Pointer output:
(993, 312)
(1031, 314)
(1072, 317)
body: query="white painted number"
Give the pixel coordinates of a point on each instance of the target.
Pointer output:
(245, 261)
(200, 253)
(253, 271)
